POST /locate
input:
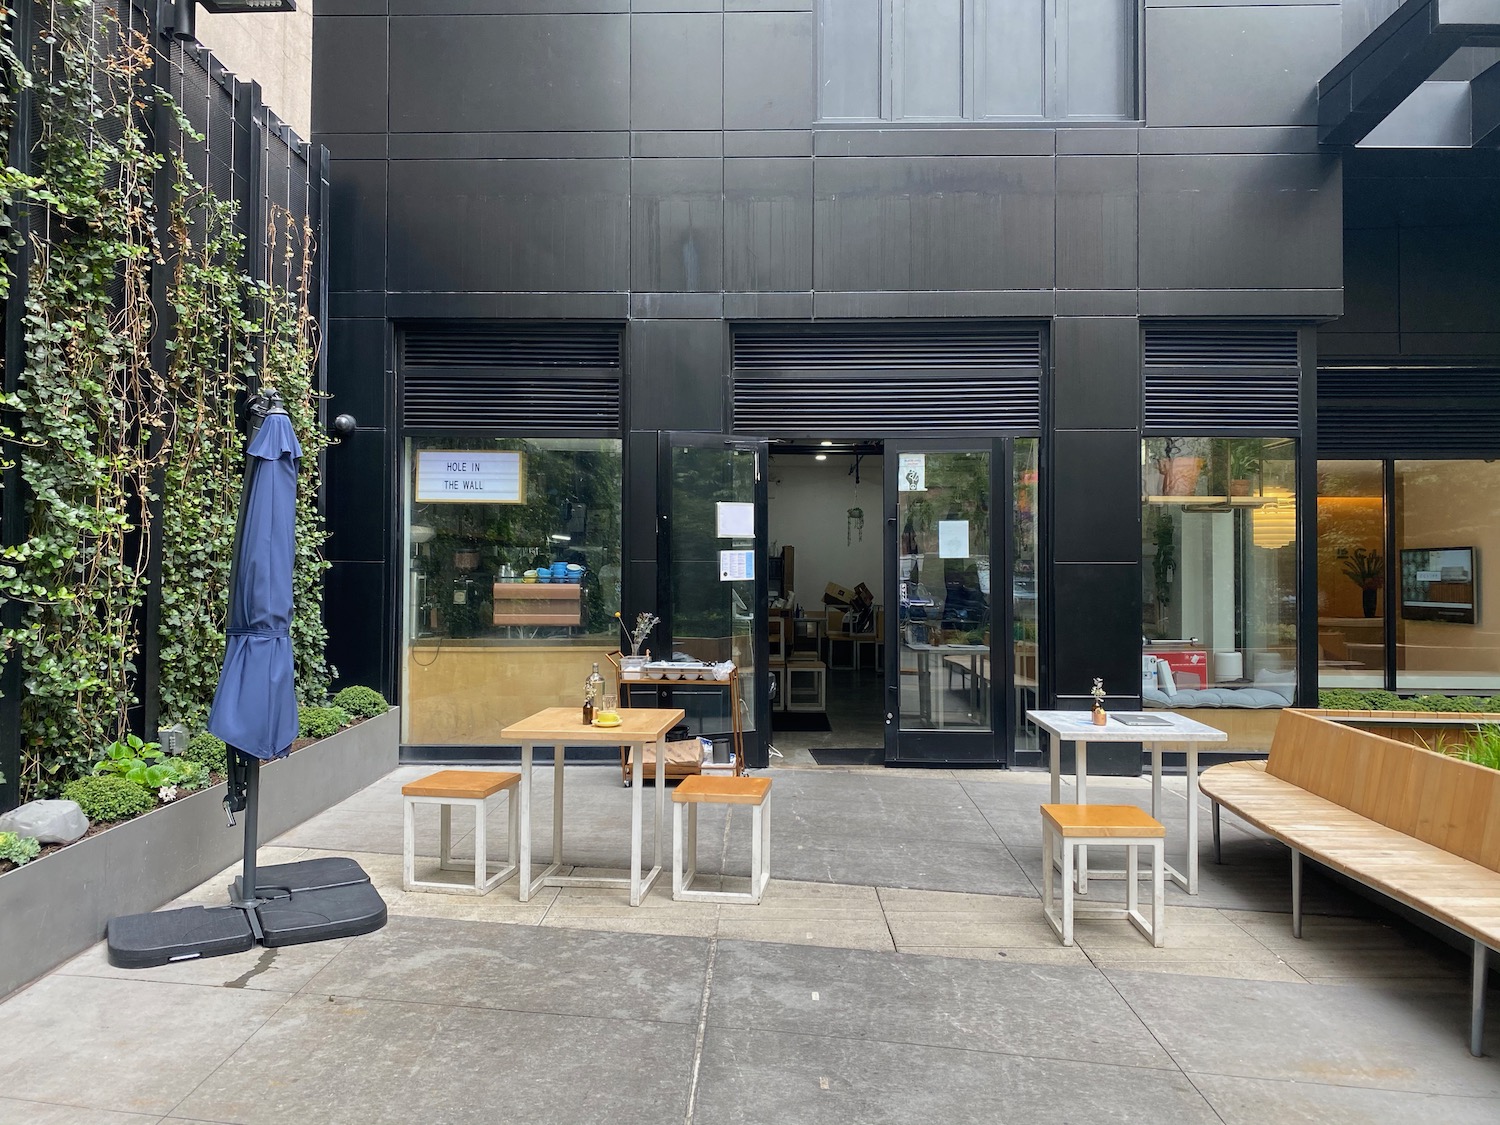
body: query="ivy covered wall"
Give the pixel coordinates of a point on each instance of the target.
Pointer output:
(146, 294)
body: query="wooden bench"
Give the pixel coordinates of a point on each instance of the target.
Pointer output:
(1417, 826)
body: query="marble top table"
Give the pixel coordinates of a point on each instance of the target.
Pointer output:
(1156, 730)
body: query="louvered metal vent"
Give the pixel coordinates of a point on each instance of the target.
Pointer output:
(862, 349)
(477, 401)
(1183, 346)
(1409, 414)
(512, 378)
(512, 347)
(789, 407)
(1220, 380)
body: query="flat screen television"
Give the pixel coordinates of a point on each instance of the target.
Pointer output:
(1438, 584)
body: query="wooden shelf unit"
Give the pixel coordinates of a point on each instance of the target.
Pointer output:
(538, 603)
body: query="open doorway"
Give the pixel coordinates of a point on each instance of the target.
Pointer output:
(827, 628)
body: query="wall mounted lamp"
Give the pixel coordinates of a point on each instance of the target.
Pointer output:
(178, 17)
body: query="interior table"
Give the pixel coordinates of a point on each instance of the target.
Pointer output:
(1156, 730)
(560, 727)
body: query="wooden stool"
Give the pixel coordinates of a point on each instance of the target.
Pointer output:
(721, 790)
(1067, 827)
(445, 789)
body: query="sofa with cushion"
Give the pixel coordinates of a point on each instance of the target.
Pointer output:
(1270, 689)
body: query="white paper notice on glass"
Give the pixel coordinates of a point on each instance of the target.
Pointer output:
(911, 472)
(736, 566)
(953, 539)
(735, 521)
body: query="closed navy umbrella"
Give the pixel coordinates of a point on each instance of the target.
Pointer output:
(255, 707)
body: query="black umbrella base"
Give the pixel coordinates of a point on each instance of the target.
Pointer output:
(312, 900)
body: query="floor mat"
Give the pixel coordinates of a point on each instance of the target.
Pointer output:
(823, 757)
(800, 720)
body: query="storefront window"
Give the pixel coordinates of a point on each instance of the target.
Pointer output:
(1219, 560)
(1025, 606)
(513, 580)
(1448, 536)
(1351, 575)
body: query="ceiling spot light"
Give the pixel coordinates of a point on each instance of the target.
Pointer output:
(827, 443)
(820, 457)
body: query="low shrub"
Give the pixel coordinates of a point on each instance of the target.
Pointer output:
(362, 701)
(320, 722)
(17, 848)
(208, 751)
(1349, 699)
(108, 797)
(188, 774)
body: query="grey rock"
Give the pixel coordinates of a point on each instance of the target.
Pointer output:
(51, 822)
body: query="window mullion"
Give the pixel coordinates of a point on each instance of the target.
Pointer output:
(894, 13)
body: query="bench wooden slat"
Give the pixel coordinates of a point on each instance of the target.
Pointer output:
(1456, 891)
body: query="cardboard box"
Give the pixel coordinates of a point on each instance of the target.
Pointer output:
(863, 595)
(834, 594)
(1189, 666)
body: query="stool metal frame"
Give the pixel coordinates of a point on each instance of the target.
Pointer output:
(484, 882)
(760, 839)
(1066, 846)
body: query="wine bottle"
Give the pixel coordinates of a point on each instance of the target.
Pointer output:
(592, 688)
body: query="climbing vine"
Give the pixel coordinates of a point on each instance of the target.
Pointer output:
(104, 434)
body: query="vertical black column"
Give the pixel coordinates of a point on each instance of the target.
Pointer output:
(1094, 610)
(1307, 521)
(12, 501)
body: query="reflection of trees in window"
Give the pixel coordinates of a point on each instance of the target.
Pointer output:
(571, 513)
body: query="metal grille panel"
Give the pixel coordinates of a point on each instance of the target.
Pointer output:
(1220, 379)
(1433, 414)
(491, 400)
(863, 349)
(789, 406)
(512, 347)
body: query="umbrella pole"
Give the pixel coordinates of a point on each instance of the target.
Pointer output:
(246, 898)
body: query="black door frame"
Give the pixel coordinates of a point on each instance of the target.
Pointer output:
(994, 748)
(757, 735)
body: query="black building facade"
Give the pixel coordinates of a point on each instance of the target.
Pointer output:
(1088, 282)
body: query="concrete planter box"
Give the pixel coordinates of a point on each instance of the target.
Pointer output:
(57, 906)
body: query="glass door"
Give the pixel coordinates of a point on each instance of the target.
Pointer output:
(712, 579)
(948, 562)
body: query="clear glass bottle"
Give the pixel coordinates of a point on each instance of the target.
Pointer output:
(593, 688)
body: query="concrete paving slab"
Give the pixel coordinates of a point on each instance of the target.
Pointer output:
(885, 861)
(1378, 1036)
(89, 1042)
(760, 1076)
(271, 970)
(1246, 1101)
(348, 1061)
(836, 933)
(1021, 1009)
(523, 969)
(1016, 955)
(13, 1112)
(1241, 968)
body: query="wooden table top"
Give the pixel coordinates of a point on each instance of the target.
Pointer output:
(565, 724)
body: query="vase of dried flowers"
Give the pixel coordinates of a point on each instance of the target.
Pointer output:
(1097, 691)
(636, 661)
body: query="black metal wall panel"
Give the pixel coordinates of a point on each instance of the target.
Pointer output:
(1095, 373)
(677, 226)
(973, 223)
(517, 225)
(522, 72)
(357, 223)
(357, 368)
(1097, 499)
(676, 71)
(1097, 229)
(1240, 222)
(348, 95)
(677, 375)
(769, 70)
(768, 225)
(1238, 65)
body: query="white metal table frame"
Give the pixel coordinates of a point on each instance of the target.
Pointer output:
(639, 726)
(1078, 728)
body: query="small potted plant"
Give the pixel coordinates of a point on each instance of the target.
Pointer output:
(636, 661)
(1366, 569)
(1097, 691)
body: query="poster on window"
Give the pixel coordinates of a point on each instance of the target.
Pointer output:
(470, 476)
(736, 566)
(953, 539)
(911, 472)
